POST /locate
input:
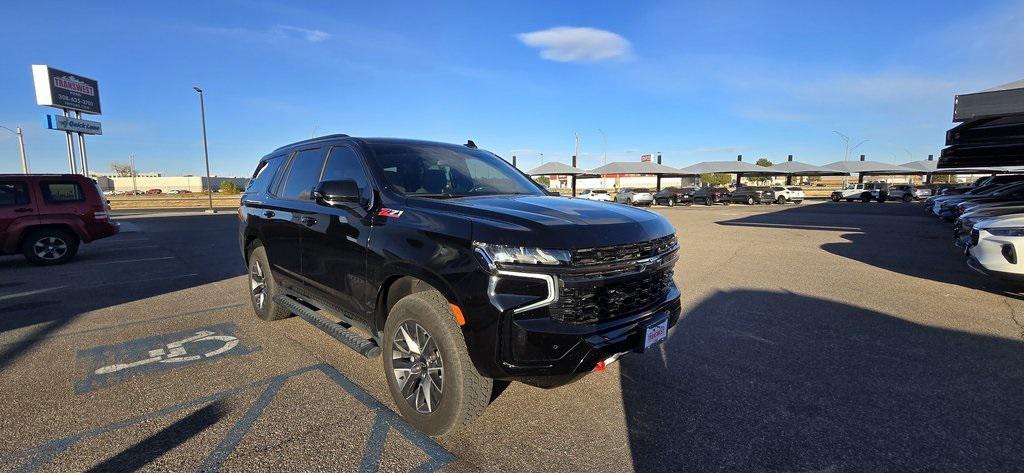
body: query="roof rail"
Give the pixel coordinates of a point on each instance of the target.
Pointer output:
(312, 140)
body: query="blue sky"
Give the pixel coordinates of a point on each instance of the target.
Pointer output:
(695, 81)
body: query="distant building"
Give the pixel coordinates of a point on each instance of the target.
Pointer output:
(146, 181)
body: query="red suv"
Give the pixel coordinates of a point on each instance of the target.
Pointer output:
(46, 216)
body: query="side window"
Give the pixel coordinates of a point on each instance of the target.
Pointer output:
(62, 192)
(344, 164)
(264, 174)
(303, 175)
(13, 193)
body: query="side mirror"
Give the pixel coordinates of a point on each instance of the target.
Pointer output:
(337, 192)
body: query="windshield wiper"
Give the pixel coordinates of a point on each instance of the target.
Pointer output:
(440, 195)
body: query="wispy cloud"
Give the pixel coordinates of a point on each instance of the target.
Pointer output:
(274, 34)
(313, 36)
(578, 44)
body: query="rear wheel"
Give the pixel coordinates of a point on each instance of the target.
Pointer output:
(49, 246)
(707, 201)
(835, 197)
(671, 202)
(750, 200)
(865, 197)
(908, 198)
(430, 374)
(263, 288)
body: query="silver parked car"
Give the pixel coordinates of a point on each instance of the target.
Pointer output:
(635, 197)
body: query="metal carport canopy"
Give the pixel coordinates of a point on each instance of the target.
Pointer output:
(872, 167)
(555, 168)
(931, 167)
(638, 167)
(797, 168)
(1006, 99)
(730, 167)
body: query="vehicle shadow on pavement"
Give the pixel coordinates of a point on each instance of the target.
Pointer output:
(175, 253)
(756, 380)
(924, 250)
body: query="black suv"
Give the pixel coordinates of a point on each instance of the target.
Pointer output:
(454, 266)
(711, 195)
(752, 195)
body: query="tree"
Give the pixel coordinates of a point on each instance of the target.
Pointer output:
(121, 169)
(715, 179)
(764, 162)
(543, 180)
(229, 187)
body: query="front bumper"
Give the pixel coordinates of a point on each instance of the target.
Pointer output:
(565, 352)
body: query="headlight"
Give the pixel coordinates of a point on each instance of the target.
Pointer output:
(509, 254)
(1006, 232)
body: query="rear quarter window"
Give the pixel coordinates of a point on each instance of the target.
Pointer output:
(264, 174)
(62, 191)
(13, 193)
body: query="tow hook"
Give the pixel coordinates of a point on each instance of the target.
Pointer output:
(601, 365)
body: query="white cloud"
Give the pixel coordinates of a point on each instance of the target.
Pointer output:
(577, 44)
(313, 36)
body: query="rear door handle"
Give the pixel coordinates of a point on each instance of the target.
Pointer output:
(308, 221)
(268, 213)
(23, 209)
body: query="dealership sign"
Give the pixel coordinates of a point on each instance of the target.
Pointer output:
(57, 88)
(75, 125)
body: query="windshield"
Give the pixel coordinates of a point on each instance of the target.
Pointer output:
(438, 170)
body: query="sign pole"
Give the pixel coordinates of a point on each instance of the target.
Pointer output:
(71, 148)
(81, 147)
(21, 143)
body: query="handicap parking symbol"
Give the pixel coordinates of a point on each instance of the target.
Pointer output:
(112, 363)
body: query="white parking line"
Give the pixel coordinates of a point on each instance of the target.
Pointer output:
(133, 260)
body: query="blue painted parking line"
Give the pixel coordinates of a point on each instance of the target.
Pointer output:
(42, 455)
(110, 364)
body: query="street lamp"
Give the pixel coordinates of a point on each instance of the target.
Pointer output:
(21, 145)
(846, 139)
(206, 150)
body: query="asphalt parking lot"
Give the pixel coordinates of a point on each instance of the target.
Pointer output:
(818, 337)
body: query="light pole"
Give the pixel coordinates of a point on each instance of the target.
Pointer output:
(846, 140)
(21, 145)
(206, 150)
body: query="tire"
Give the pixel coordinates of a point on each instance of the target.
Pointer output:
(671, 202)
(865, 197)
(908, 198)
(835, 197)
(781, 200)
(464, 393)
(797, 202)
(708, 201)
(631, 202)
(750, 200)
(263, 288)
(49, 246)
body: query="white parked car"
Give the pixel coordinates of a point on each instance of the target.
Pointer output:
(788, 194)
(996, 245)
(596, 194)
(635, 197)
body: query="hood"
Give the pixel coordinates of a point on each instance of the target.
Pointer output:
(552, 222)
(1015, 220)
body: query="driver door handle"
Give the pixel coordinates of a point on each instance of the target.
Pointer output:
(23, 209)
(308, 221)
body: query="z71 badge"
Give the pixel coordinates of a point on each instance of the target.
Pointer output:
(389, 213)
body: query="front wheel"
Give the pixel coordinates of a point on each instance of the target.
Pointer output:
(865, 197)
(430, 375)
(835, 197)
(781, 200)
(707, 201)
(671, 202)
(908, 198)
(750, 200)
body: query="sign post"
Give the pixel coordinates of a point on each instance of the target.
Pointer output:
(69, 92)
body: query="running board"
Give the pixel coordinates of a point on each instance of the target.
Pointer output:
(345, 336)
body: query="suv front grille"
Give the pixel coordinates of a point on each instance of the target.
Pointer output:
(589, 303)
(621, 253)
